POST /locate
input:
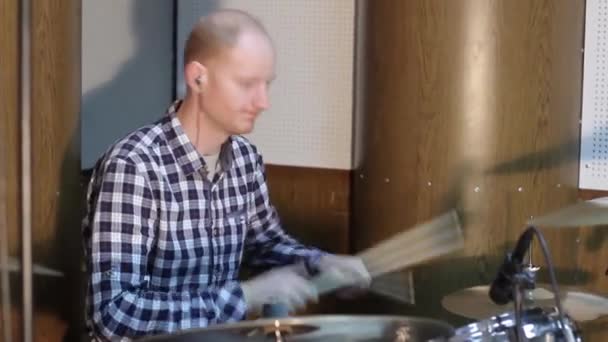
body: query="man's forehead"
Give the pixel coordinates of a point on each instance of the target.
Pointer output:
(245, 55)
(255, 41)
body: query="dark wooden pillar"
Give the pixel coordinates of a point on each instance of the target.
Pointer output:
(473, 105)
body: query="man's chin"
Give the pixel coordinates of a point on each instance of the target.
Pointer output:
(243, 130)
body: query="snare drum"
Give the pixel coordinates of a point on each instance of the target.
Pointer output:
(538, 325)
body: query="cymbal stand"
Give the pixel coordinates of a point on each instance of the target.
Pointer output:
(523, 284)
(532, 271)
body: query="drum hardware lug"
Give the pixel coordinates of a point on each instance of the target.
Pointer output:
(523, 282)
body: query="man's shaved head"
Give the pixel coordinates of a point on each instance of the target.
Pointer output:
(218, 31)
(229, 63)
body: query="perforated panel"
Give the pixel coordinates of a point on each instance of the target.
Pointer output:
(310, 121)
(594, 141)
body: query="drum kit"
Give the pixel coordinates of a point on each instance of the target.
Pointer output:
(540, 312)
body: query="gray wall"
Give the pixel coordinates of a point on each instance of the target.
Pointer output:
(127, 69)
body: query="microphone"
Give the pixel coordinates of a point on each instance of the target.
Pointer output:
(501, 290)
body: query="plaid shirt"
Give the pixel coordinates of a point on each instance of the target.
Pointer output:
(164, 244)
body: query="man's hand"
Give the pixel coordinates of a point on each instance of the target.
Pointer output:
(281, 285)
(347, 270)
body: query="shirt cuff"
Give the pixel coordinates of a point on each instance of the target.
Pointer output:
(313, 261)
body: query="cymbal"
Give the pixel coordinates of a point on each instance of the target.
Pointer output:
(584, 306)
(475, 303)
(588, 213)
(351, 328)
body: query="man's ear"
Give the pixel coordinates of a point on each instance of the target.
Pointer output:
(196, 76)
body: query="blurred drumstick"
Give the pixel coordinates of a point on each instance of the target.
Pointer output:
(397, 286)
(15, 266)
(587, 213)
(419, 244)
(424, 242)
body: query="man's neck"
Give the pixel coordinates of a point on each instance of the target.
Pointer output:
(210, 139)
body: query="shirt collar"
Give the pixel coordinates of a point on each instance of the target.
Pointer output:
(185, 153)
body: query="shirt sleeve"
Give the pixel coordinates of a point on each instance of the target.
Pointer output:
(122, 234)
(266, 242)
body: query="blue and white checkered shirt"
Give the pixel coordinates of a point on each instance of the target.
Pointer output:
(164, 244)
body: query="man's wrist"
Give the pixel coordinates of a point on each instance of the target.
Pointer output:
(312, 263)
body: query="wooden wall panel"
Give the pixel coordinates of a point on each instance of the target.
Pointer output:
(472, 105)
(56, 190)
(55, 62)
(314, 206)
(9, 141)
(9, 113)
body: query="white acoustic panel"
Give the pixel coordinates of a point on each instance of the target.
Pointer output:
(594, 132)
(311, 116)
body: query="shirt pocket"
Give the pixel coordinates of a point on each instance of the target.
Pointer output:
(230, 237)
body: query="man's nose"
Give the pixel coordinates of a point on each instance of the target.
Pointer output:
(262, 101)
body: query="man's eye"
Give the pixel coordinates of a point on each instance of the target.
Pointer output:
(247, 84)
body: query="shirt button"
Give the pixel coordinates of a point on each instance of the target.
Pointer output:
(216, 232)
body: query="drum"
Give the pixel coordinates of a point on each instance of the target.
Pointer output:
(338, 328)
(540, 325)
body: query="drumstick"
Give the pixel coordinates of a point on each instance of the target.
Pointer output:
(14, 265)
(447, 222)
(398, 286)
(426, 241)
(440, 240)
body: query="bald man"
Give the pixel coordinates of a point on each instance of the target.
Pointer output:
(175, 207)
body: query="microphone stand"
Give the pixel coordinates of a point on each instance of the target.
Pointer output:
(518, 280)
(523, 282)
